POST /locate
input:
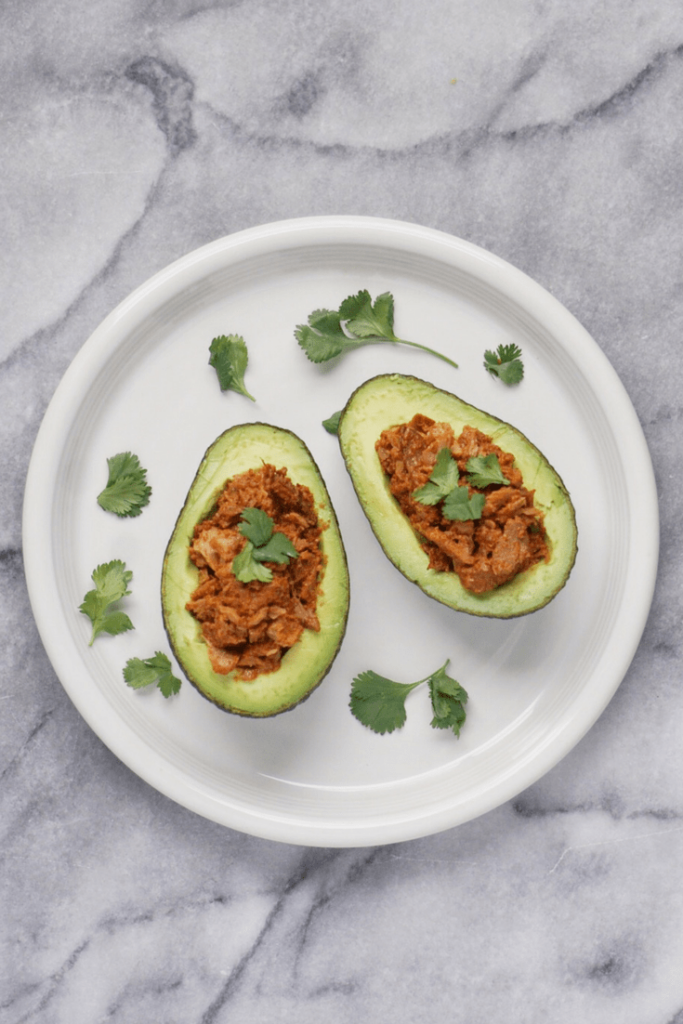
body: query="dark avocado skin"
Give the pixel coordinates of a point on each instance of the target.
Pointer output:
(306, 664)
(389, 399)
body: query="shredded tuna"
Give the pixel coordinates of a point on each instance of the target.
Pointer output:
(248, 627)
(485, 553)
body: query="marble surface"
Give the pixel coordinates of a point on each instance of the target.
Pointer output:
(133, 132)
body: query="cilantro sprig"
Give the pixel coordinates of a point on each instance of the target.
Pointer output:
(264, 544)
(111, 581)
(229, 358)
(505, 363)
(139, 673)
(127, 491)
(358, 321)
(379, 703)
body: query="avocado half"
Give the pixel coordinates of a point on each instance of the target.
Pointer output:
(390, 399)
(303, 667)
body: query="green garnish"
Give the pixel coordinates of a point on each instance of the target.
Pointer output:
(379, 703)
(458, 504)
(264, 544)
(127, 491)
(358, 321)
(111, 584)
(139, 673)
(505, 363)
(229, 358)
(483, 470)
(331, 425)
(443, 485)
(444, 478)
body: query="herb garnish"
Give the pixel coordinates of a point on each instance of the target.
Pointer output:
(358, 321)
(229, 358)
(139, 673)
(111, 581)
(379, 703)
(483, 470)
(127, 491)
(443, 485)
(264, 544)
(505, 363)
(331, 424)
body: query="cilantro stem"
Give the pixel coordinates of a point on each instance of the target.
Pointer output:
(416, 344)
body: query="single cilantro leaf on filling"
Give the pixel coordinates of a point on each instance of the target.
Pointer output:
(459, 506)
(444, 478)
(139, 673)
(505, 363)
(483, 470)
(111, 581)
(127, 491)
(229, 358)
(379, 703)
(264, 544)
(358, 321)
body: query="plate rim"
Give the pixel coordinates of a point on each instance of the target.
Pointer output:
(152, 294)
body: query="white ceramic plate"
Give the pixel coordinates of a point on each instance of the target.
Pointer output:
(315, 775)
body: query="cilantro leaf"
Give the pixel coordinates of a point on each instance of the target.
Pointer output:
(378, 702)
(366, 319)
(331, 425)
(127, 491)
(139, 673)
(444, 478)
(358, 321)
(448, 701)
(111, 581)
(256, 526)
(483, 470)
(505, 363)
(246, 568)
(278, 549)
(264, 544)
(458, 504)
(229, 358)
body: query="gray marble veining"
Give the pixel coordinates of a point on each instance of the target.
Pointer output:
(551, 135)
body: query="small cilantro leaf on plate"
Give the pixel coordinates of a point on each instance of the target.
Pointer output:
(229, 358)
(331, 424)
(127, 491)
(505, 363)
(139, 673)
(483, 470)
(448, 701)
(111, 581)
(378, 702)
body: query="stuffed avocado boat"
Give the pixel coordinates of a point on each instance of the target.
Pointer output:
(255, 586)
(462, 503)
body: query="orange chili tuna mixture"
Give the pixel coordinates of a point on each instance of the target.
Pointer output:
(248, 627)
(486, 552)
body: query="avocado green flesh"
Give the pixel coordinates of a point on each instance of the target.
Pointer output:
(303, 667)
(388, 400)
